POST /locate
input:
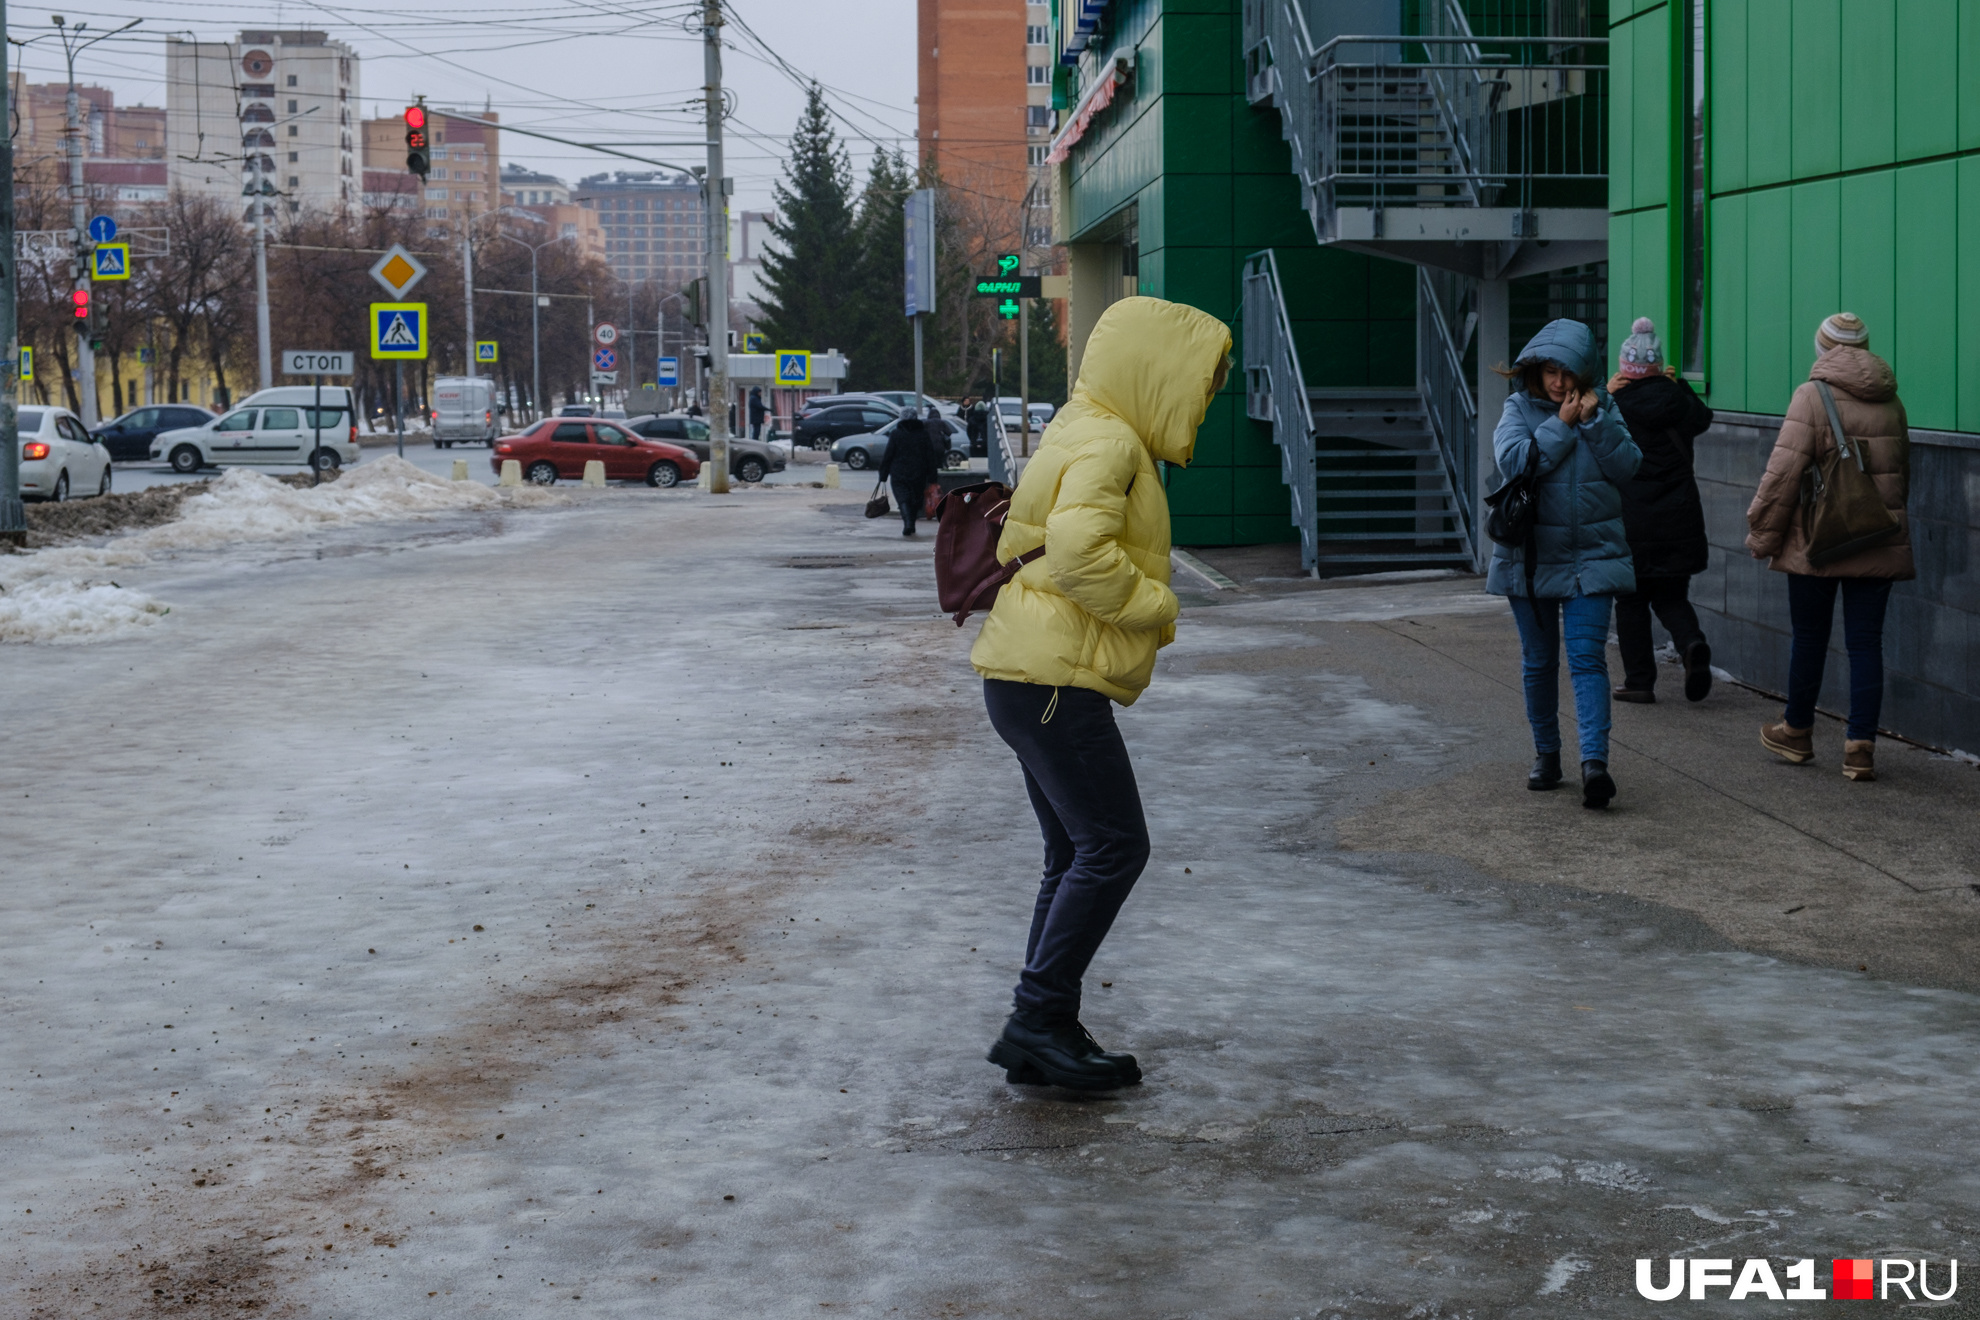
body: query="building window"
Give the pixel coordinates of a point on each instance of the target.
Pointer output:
(1035, 155)
(294, 156)
(1038, 116)
(294, 182)
(291, 83)
(436, 195)
(292, 130)
(292, 103)
(1034, 35)
(1037, 75)
(1039, 236)
(343, 68)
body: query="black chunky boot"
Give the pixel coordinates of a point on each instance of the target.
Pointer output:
(1596, 786)
(1060, 1054)
(1546, 772)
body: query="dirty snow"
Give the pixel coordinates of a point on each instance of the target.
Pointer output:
(59, 595)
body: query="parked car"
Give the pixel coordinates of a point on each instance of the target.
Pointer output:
(819, 429)
(749, 460)
(860, 452)
(820, 402)
(277, 426)
(577, 410)
(464, 411)
(1011, 407)
(559, 447)
(904, 400)
(129, 437)
(58, 458)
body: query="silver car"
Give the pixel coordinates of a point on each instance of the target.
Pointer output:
(860, 452)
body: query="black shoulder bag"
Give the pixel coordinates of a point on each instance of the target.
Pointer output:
(1514, 521)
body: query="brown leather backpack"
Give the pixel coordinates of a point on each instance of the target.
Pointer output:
(967, 574)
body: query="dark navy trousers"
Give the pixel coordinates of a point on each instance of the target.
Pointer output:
(1082, 787)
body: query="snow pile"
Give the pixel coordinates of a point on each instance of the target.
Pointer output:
(58, 611)
(48, 595)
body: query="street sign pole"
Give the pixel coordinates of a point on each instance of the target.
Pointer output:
(316, 421)
(715, 189)
(13, 519)
(918, 228)
(399, 401)
(1024, 376)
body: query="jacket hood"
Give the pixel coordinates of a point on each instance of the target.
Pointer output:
(1569, 343)
(1858, 370)
(1150, 363)
(1658, 402)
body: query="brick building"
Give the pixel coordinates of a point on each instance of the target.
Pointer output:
(984, 102)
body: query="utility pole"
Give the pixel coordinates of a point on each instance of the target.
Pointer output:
(79, 218)
(1024, 376)
(715, 190)
(13, 519)
(264, 358)
(467, 279)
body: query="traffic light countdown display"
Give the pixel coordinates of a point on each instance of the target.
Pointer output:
(79, 299)
(419, 151)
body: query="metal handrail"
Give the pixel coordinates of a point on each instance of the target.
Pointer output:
(1447, 401)
(1275, 392)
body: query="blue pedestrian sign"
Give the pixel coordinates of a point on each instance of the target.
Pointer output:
(484, 350)
(102, 229)
(398, 330)
(670, 371)
(793, 367)
(605, 360)
(110, 261)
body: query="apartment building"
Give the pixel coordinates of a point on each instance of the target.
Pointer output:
(521, 187)
(466, 161)
(110, 131)
(652, 224)
(984, 101)
(283, 100)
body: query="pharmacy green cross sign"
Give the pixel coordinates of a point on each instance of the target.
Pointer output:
(1008, 309)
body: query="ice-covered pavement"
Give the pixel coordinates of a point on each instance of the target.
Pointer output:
(603, 910)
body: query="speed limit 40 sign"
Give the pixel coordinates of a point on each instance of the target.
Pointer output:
(605, 333)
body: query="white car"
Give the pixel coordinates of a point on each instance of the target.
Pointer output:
(1011, 407)
(278, 426)
(58, 459)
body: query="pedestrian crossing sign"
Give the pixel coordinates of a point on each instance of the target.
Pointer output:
(27, 362)
(484, 350)
(398, 330)
(755, 343)
(110, 261)
(793, 368)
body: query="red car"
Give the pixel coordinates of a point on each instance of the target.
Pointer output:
(561, 446)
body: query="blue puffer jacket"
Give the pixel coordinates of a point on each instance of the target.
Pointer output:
(1582, 548)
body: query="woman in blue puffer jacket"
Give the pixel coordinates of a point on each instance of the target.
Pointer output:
(1583, 558)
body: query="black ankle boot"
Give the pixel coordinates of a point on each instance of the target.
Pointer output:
(1546, 772)
(1596, 786)
(1060, 1054)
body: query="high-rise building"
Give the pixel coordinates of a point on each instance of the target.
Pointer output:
(985, 103)
(284, 100)
(521, 187)
(109, 132)
(653, 224)
(466, 160)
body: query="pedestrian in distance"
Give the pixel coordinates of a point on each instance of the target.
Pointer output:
(1075, 631)
(1662, 516)
(909, 465)
(757, 412)
(1861, 395)
(976, 422)
(1582, 560)
(694, 409)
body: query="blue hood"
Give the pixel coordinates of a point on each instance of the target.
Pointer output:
(1569, 343)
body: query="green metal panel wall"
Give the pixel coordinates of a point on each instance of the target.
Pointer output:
(1640, 160)
(1843, 172)
(1211, 180)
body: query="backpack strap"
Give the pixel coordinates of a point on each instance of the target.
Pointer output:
(995, 583)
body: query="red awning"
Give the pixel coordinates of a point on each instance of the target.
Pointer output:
(1098, 97)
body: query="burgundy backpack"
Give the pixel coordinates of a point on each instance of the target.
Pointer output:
(967, 574)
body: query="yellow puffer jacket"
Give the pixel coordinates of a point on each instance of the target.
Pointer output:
(1092, 610)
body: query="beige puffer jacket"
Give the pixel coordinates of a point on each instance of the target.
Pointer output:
(1865, 390)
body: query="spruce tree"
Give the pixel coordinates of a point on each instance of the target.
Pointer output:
(881, 341)
(1048, 355)
(806, 270)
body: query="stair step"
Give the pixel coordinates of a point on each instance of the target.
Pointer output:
(1433, 493)
(1377, 453)
(1422, 559)
(1390, 537)
(1391, 473)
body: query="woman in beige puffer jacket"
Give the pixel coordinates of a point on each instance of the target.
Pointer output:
(1866, 398)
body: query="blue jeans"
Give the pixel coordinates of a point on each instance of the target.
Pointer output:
(1812, 611)
(1588, 664)
(1082, 789)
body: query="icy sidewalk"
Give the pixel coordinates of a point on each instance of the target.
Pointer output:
(61, 595)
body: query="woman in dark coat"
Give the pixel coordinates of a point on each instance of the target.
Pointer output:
(1662, 517)
(910, 464)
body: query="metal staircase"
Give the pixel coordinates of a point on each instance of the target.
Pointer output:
(1477, 158)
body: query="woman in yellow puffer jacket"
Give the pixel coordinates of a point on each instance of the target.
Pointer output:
(1076, 630)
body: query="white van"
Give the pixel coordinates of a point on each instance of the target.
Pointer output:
(464, 411)
(278, 426)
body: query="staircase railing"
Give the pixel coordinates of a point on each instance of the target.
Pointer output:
(1275, 391)
(1442, 118)
(1445, 388)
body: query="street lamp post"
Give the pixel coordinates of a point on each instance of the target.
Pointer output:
(13, 519)
(535, 312)
(72, 46)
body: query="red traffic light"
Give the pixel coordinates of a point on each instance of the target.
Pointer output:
(81, 300)
(415, 116)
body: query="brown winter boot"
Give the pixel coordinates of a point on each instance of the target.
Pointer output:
(1795, 745)
(1858, 758)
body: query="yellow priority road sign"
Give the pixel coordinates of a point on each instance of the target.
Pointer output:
(110, 261)
(484, 350)
(398, 330)
(793, 367)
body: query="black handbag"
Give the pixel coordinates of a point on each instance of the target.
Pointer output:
(877, 507)
(1514, 520)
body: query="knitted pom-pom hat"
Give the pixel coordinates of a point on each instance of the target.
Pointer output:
(1642, 353)
(1843, 330)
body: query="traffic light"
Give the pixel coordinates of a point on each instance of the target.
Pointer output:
(419, 154)
(79, 299)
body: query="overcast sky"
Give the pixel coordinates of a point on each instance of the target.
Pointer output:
(592, 70)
